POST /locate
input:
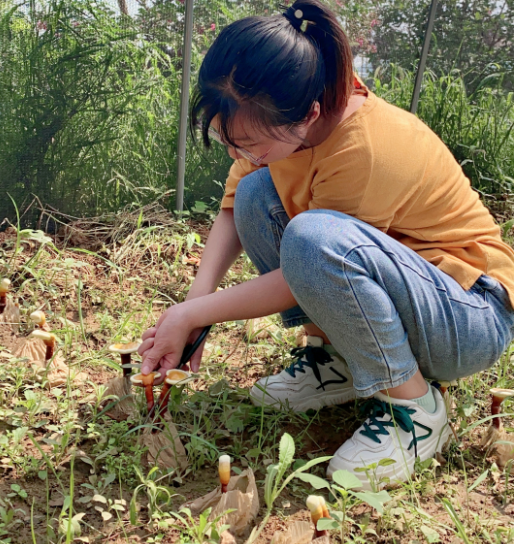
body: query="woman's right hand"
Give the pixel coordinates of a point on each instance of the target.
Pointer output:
(196, 359)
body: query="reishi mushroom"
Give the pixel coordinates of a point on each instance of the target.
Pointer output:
(9, 310)
(173, 377)
(125, 351)
(495, 433)
(499, 395)
(147, 381)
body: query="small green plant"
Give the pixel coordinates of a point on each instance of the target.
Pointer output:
(343, 491)
(203, 531)
(275, 482)
(17, 492)
(8, 520)
(158, 496)
(119, 452)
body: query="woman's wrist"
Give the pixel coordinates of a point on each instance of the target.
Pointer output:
(185, 314)
(199, 290)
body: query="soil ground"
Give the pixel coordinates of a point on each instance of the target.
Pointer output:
(54, 443)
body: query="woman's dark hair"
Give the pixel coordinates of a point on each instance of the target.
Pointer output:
(273, 69)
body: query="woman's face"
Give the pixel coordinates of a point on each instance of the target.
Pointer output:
(262, 149)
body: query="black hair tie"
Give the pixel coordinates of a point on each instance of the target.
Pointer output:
(294, 16)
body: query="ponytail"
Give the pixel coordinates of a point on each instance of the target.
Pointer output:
(274, 69)
(320, 26)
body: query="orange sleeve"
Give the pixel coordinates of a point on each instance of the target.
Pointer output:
(239, 169)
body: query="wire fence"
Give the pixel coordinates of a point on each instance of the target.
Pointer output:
(90, 94)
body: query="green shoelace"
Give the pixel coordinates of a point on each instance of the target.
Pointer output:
(401, 415)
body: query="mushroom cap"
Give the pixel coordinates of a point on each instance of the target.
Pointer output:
(314, 503)
(38, 317)
(123, 349)
(47, 337)
(176, 375)
(502, 393)
(5, 285)
(139, 379)
(224, 460)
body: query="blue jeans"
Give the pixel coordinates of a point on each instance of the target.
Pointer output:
(384, 308)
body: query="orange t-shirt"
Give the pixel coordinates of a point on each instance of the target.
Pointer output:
(386, 167)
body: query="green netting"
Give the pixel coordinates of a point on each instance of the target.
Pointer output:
(89, 93)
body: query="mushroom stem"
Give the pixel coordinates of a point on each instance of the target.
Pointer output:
(148, 380)
(126, 360)
(495, 410)
(50, 348)
(224, 472)
(161, 404)
(3, 302)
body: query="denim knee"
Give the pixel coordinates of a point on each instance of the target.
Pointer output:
(300, 252)
(307, 246)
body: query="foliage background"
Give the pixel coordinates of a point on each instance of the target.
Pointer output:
(89, 95)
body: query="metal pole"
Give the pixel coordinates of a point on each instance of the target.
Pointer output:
(423, 59)
(184, 104)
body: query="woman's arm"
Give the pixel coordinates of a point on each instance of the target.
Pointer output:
(261, 296)
(221, 250)
(265, 295)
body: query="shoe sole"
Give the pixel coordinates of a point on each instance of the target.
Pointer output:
(395, 476)
(313, 402)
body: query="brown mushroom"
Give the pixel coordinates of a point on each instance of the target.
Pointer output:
(496, 437)
(125, 351)
(49, 340)
(146, 381)
(174, 377)
(38, 318)
(499, 395)
(9, 310)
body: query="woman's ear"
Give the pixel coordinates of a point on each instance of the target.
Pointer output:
(313, 115)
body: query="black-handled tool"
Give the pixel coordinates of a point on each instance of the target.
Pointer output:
(191, 348)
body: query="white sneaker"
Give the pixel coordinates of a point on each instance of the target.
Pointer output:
(315, 379)
(413, 433)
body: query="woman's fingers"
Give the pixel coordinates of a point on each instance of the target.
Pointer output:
(149, 333)
(146, 345)
(196, 359)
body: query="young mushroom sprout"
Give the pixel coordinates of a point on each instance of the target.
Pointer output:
(224, 472)
(318, 510)
(38, 318)
(49, 340)
(5, 287)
